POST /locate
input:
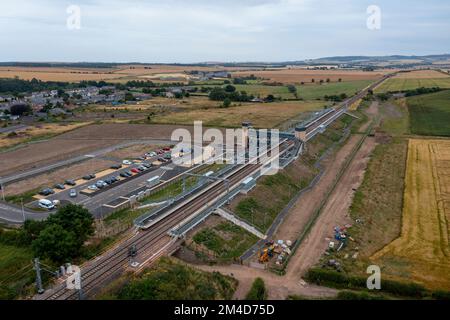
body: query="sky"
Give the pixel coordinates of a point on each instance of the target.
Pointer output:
(189, 31)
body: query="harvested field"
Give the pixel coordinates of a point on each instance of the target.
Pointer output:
(267, 115)
(120, 74)
(300, 75)
(161, 104)
(422, 251)
(58, 73)
(36, 132)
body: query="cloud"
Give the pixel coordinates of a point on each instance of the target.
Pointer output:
(233, 30)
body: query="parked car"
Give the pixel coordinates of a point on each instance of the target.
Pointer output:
(89, 176)
(124, 175)
(129, 173)
(142, 168)
(70, 182)
(59, 186)
(147, 165)
(168, 156)
(166, 149)
(73, 193)
(93, 187)
(46, 192)
(135, 170)
(152, 154)
(46, 204)
(127, 162)
(116, 166)
(100, 184)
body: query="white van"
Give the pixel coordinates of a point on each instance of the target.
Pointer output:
(46, 204)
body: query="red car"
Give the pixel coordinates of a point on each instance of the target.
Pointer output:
(166, 149)
(135, 170)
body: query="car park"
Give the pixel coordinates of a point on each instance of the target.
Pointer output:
(46, 192)
(72, 193)
(59, 186)
(70, 182)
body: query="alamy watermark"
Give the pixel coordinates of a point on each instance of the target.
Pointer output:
(374, 19)
(73, 21)
(73, 281)
(374, 280)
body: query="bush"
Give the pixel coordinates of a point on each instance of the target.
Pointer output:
(350, 295)
(257, 291)
(340, 280)
(441, 295)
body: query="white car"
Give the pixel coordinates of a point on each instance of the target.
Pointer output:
(152, 154)
(93, 187)
(72, 193)
(46, 204)
(127, 162)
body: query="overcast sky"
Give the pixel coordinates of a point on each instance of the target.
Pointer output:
(216, 30)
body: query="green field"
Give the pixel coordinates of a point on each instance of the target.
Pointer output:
(15, 270)
(260, 90)
(171, 280)
(226, 240)
(397, 84)
(317, 91)
(429, 114)
(307, 91)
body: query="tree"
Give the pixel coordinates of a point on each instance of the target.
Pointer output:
(76, 219)
(56, 243)
(20, 109)
(226, 103)
(230, 88)
(270, 98)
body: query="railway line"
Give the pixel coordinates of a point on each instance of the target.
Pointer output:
(116, 260)
(148, 241)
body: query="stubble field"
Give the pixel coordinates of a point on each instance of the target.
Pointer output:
(422, 251)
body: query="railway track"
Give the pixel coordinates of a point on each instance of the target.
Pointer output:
(114, 262)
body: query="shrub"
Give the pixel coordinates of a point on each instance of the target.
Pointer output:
(257, 291)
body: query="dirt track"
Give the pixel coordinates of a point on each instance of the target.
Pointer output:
(334, 213)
